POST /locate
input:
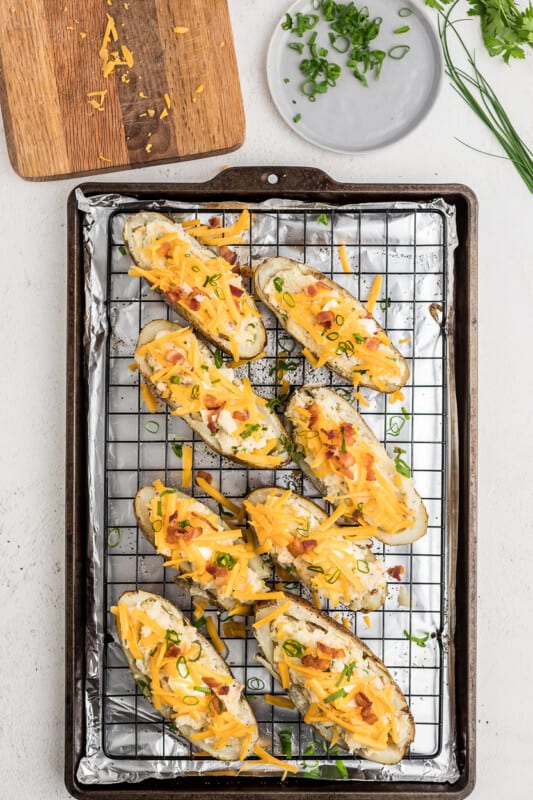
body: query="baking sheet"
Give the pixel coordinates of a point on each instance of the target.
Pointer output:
(411, 245)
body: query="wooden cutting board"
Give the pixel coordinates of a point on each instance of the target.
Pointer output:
(161, 86)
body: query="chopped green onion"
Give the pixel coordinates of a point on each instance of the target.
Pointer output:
(255, 684)
(419, 640)
(298, 46)
(273, 403)
(174, 379)
(225, 560)
(287, 24)
(196, 656)
(395, 425)
(286, 80)
(157, 525)
(113, 537)
(190, 700)
(198, 623)
(334, 577)
(404, 12)
(195, 391)
(172, 636)
(177, 449)
(323, 219)
(292, 648)
(406, 413)
(386, 303)
(401, 466)
(218, 358)
(309, 750)
(335, 696)
(339, 320)
(362, 565)
(151, 425)
(289, 299)
(358, 338)
(341, 766)
(278, 284)
(203, 689)
(398, 52)
(343, 442)
(181, 666)
(285, 740)
(332, 336)
(403, 29)
(297, 117)
(122, 250)
(334, 38)
(316, 568)
(346, 673)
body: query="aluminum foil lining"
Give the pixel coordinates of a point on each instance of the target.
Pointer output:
(411, 245)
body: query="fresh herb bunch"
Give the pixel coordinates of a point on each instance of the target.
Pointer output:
(473, 87)
(504, 27)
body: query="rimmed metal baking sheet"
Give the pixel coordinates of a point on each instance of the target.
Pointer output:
(124, 308)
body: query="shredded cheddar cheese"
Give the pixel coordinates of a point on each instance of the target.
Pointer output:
(148, 397)
(373, 295)
(337, 329)
(326, 557)
(268, 758)
(213, 635)
(196, 543)
(180, 676)
(341, 450)
(279, 702)
(344, 259)
(186, 478)
(188, 380)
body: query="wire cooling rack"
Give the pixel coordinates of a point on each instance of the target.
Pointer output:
(139, 448)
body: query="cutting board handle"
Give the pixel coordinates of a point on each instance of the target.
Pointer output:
(289, 180)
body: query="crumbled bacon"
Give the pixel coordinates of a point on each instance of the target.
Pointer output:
(242, 416)
(220, 574)
(368, 315)
(368, 463)
(347, 473)
(211, 682)
(174, 356)
(314, 288)
(193, 303)
(315, 662)
(362, 700)
(175, 533)
(223, 689)
(346, 459)
(243, 269)
(229, 255)
(314, 413)
(212, 421)
(235, 291)
(215, 222)
(173, 651)
(295, 547)
(173, 295)
(372, 343)
(396, 572)
(349, 433)
(325, 318)
(212, 402)
(334, 652)
(164, 247)
(365, 704)
(309, 544)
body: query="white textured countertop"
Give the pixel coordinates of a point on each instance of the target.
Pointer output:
(32, 340)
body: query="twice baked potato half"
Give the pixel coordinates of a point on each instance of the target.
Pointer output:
(200, 285)
(184, 677)
(334, 328)
(336, 562)
(224, 411)
(335, 681)
(350, 467)
(214, 561)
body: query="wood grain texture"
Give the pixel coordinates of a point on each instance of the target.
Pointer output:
(180, 99)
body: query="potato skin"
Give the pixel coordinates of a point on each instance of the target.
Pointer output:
(348, 413)
(147, 334)
(145, 217)
(304, 612)
(231, 751)
(272, 267)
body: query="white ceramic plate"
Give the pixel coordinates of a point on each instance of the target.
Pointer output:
(350, 118)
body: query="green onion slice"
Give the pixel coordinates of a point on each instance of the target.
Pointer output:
(285, 740)
(113, 537)
(362, 565)
(196, 655)
(255, 684)
(335, 696)
(398, 52)
(190, 700)
(151, 425)
(404, 12)
(172, 636)
(289, 299)
(182, 667)
(177, 449)
(203, 689)
(292, 648)
(278, 284)
(403, 29)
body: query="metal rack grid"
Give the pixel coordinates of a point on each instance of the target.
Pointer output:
(414, 277)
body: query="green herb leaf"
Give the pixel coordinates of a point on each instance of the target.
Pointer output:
(177, 449)
(418, 640)
(218, 358)
(285, 741)
(122, 250)
(323, 219)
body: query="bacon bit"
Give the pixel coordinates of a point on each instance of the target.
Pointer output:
(220, 574)
(368, 463)
(242, 416)
(164, 247)
(174, 533)
(213, 402)
(235, 291)
(223, 689)
(174, 356)
(334, 652)
(215, 222)
(332, 434)
(211, 682)
(172, 650)
(396, 572)
(347, 473)
(295, 547)
(193, 303)
(311, 290)
(211, 421)
(349, 433)
(366, 708)
(244, 270)
(229, 255)
(372, 343)
(362, 700)
(173, 295)
(315, 662)
(346, 459)
(309, 544)
(325, 318)
(205, 475)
